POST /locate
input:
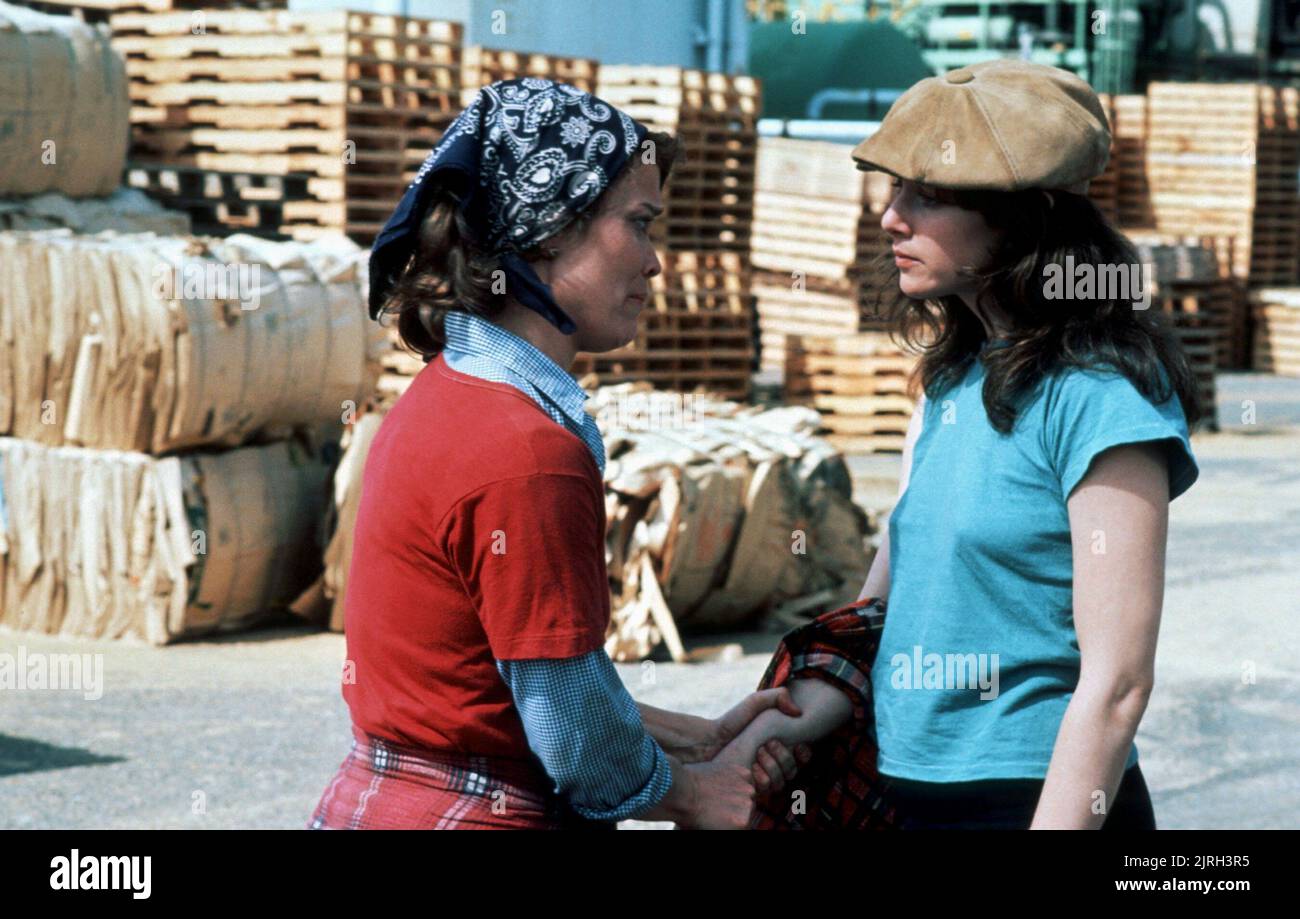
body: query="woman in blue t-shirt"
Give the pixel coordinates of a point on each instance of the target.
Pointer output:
(1024, 561)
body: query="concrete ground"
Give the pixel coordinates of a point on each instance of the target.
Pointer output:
(246, 731)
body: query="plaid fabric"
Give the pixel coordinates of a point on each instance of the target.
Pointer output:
(482, 349)
(386, 786)
(841, 789)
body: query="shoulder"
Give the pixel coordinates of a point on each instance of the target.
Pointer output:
(471, 433)
(1085, 411)
(1104, 391)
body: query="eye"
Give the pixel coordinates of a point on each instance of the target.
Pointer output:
(643, 223)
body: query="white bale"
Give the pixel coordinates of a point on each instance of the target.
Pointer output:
(161, 343)
(111, 544)
(64, 110)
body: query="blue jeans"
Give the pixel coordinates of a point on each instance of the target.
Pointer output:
(1006, 804)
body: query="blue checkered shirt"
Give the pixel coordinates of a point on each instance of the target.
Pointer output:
(578, 717)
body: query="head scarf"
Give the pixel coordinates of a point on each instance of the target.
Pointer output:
(524, 159)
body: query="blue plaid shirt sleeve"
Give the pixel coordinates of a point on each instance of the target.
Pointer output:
(586, 729)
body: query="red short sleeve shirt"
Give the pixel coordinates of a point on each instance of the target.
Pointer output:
(480, 535)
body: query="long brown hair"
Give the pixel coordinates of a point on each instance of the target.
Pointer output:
(1038, 229)
(448, 271)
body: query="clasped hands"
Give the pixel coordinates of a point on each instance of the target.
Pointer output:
(730, 766)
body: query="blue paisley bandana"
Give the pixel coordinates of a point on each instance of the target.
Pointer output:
(524, 159)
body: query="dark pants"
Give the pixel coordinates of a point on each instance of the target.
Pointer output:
(1006, 804)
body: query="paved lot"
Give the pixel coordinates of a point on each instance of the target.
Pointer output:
(246, 731)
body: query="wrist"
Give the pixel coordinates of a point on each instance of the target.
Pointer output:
(683, 798)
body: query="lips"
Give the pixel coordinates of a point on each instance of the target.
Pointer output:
(904, 255)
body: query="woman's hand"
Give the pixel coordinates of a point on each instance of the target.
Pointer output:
(722, 797)
(699, 740)
(775, 763)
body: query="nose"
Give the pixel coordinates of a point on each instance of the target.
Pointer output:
(652, 267)
(892, 221)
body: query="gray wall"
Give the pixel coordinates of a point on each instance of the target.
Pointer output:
(672, 32)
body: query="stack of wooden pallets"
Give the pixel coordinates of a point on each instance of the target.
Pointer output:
(709, 200)
(481, 66)
(816, 234)
(696, 331)
(1222, 160)
(220, 203)
(351, 102)
(1202, 313)
(1104, 189)
(1121, 192)
(96, 11)
(1191, 284)
(859, 383)
(1129, 127)
(1276, 314)
(695, 335)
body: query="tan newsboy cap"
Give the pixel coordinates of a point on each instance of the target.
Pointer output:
(1002, 125)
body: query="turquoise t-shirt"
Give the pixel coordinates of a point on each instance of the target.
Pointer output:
(979, 658)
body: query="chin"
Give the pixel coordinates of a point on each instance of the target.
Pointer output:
(922, 290)
(611, 339)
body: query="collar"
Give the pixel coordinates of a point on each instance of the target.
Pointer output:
(477, 336)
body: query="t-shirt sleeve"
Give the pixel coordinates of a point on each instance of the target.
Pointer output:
(1095, 410)
(530, 552)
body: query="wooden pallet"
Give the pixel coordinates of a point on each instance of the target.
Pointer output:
(354, 101)
(1215, 305)
(481, 66)
(1276, 319)
(1201, 345)
(697, 329)
(1223, 159)
(709, 200)
(100, 11)
(859, 382)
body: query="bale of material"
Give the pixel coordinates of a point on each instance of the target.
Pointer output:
(64, 113)
(718, 519)
(715, 515)
(109, 544)
(156, 343)
(126, 210)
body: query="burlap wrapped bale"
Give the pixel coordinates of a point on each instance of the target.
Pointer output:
(104, 341)
(126, 210)
(715, 516)
(64, 112)
(109, 544)
(731, 515)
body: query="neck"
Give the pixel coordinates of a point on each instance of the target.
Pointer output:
(534, 329)
(995, 324)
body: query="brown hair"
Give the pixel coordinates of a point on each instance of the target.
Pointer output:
(448, 271)
(1038, 229)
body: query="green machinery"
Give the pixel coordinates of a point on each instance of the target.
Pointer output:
(1097, 39)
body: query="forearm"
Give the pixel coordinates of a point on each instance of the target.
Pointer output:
(587, 732)
(824, 709)
(1087, 764)
(680, 735)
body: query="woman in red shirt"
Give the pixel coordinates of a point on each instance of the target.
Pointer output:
(478, 598)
